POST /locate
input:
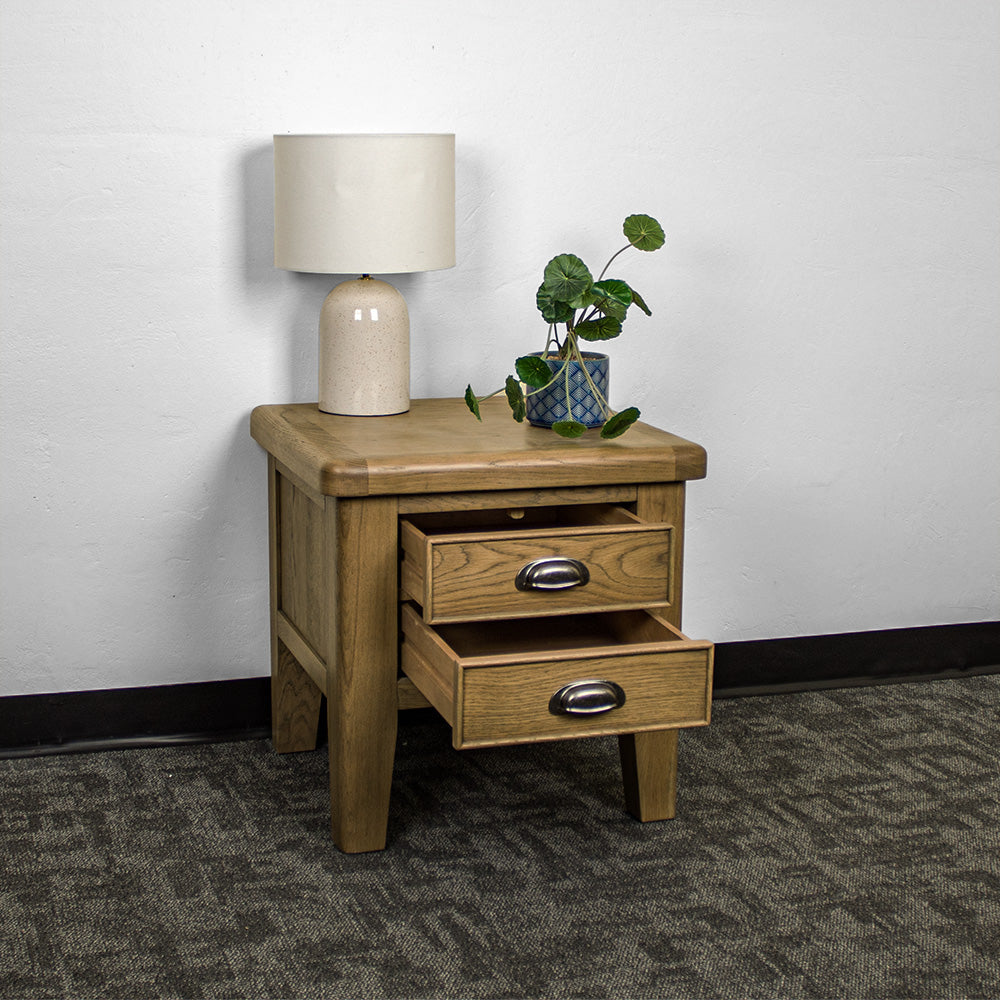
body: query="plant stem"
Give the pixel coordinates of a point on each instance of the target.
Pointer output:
(606, 266)
(569, 401)
(552, 337)
(599, 396)
(531, 392)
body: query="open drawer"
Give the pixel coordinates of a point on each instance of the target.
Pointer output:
(481, 565)
(530, 679)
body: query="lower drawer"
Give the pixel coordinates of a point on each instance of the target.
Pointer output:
(529, 680)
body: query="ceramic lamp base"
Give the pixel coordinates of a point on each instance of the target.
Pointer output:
(364, 350)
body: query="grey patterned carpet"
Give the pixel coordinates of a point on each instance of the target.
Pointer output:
(835, 844)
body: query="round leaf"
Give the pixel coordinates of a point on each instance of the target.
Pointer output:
(620, 423)
(472, 403)
(612, 297)
(644, 232)
(569, 428)
(605, 328)
(551, 310)
(567, 279)
(515, 398)
(533, 371)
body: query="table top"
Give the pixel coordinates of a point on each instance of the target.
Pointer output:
(438, 446)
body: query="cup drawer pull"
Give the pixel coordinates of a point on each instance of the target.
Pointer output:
(552, 573)
(587, 698)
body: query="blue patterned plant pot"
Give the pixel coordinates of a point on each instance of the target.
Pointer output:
(548, 406)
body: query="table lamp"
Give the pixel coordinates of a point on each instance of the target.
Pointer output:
(364, 204)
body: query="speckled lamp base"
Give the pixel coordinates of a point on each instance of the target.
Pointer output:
(364, 350)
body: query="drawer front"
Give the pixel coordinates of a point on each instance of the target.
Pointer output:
(495, 690)
(561, 570)
(512, 704)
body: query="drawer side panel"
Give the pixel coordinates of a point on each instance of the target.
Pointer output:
(430, 680)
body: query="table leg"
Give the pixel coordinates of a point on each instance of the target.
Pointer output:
(649, 772)
(649, 760)
(295, 703)
(362, 567)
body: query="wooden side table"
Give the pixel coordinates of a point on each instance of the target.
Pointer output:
(526, 586)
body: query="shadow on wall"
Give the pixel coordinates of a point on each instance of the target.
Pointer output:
(258, 220)
(295, 298)
(301, 293)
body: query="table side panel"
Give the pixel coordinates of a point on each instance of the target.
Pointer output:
(301, 551)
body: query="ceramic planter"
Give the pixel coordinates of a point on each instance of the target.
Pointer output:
(548, 406)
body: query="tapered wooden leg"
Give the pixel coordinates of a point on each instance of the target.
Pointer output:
(295, 703)
(362, 556)
(649, 760)
(649, 773)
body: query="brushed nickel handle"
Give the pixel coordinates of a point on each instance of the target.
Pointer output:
(552, 573)
(590, 697)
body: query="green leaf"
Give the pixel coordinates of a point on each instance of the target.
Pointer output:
(620, 423)
(515, 397)
(472, 403)
(568, 280)
(533, 371)
(569, 428)
(605, 328)
(637, 299)
(644, 232)
(551, 310)
(612, 297)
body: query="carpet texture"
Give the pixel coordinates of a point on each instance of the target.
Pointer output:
(828, 844)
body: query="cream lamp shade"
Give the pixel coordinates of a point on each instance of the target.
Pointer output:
(364, 204)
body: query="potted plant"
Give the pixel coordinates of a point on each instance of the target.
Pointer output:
(567, 387)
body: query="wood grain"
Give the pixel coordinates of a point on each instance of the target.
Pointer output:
(470, 575)
(664, 503)
(301, 531)
(520, 499)
(439, 447)
(295, 705)
(649, 774)
(436, 682)
(408, 697)
(337, 487)
(504, 705)
(649, 760)
(495, 688)
(295, 697)
(360, 572)
(304, 654)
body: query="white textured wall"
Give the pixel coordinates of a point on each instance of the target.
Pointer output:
(825, 312)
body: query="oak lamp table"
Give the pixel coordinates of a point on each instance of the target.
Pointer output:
(525, 585)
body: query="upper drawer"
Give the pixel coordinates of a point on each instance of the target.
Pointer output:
(537, 561)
